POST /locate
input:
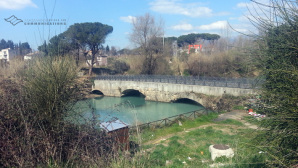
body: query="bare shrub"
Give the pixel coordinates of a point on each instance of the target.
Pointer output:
(33, 126)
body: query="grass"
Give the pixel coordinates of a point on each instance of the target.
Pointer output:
(191, 148)
(231, 122)
(151, 134)
(252, 120)
(238, 108)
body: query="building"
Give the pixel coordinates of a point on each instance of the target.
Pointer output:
(197, 48)
(118, 131)
(100, 60)
(31, 55)
(7, 54)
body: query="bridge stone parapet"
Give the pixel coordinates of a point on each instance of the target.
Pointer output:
(168, 92)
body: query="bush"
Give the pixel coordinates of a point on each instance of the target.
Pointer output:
(33, 128)
(120, 66)
(278, 44)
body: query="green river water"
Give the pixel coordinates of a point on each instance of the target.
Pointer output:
(131, 110)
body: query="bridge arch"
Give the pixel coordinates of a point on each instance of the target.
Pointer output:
(97, 92)
(132, 92)
(187, 101)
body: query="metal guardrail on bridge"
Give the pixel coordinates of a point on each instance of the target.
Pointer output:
(244, 83)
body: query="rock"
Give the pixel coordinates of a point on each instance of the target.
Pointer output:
(168, 162)
(220, 150)
(180, 124)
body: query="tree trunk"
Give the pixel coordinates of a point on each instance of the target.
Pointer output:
(91, 65)
(90, 69)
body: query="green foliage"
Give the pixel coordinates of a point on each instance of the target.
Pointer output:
(280, 93)
(44, 48)
(89, 36)
(191, 149)
(10, 44)
(186, 72)
(59, 46)
(107, 49)
(170, 40)
(192, 38)
(149, 134)
(84, 36)
(238, 107)
(231, 122)
(252, 120)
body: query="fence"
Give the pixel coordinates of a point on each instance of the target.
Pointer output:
(169, 120)
(245, 83)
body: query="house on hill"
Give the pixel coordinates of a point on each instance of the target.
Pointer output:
(100, 60)
(7, 54)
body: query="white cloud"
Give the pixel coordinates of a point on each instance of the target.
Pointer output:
(16, 4)
(243, 5)
(174, 7)
(214, 26)
(128, 19)
(183, 26)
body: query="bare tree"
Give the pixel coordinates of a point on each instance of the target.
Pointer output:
(147, 36)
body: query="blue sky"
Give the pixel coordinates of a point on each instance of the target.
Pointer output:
(179, 16)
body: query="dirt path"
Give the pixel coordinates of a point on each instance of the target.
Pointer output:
(156, 141)
(235, 114)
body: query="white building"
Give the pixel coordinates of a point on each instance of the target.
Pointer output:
(32, 55)
(7, 54)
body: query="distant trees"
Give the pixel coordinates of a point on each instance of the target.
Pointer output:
(4, 44)
(43, 48)
(146, 35)
(117, 65)
(113, 51)
(89, 36)
(192, 38)
(80, 36)
(59, 45)
(22, 48)
(107, 49)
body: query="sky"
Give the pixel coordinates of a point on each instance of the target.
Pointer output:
(180, 17)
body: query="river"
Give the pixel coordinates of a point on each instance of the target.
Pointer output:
(132, 110)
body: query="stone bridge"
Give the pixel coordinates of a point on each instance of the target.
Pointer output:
(208, 95)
